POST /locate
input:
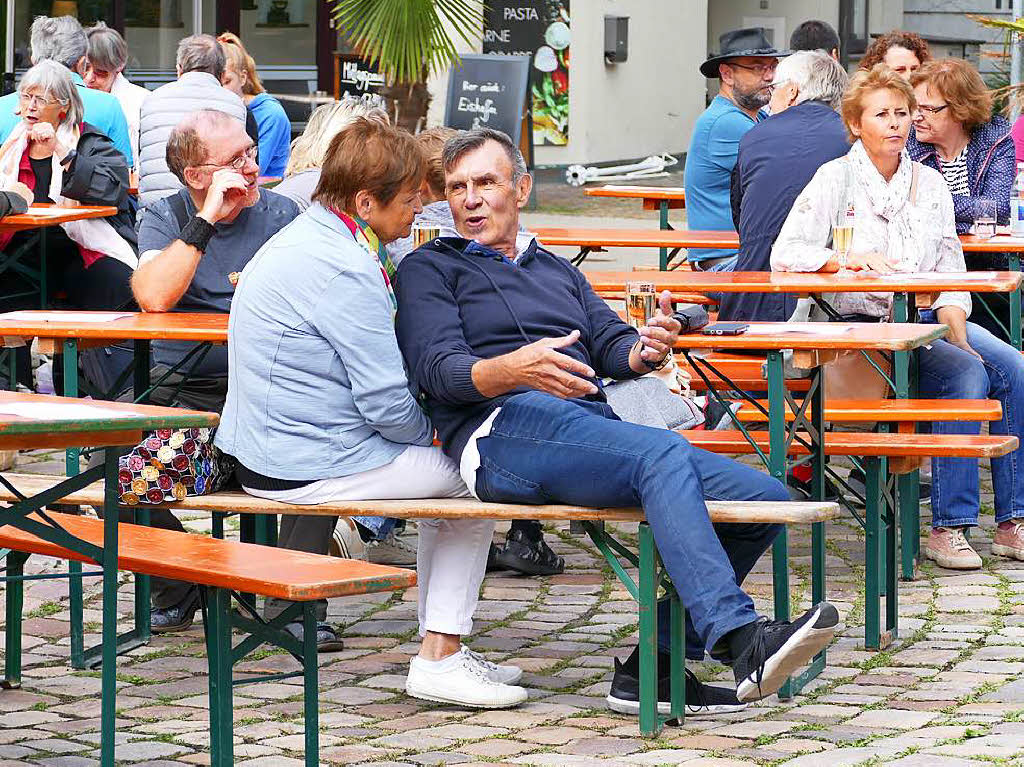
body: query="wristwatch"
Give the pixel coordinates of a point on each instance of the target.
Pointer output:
(652, 366)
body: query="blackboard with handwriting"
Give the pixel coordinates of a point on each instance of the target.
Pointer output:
(489, 91)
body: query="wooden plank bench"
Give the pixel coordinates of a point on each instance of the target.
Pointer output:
(222, 569)
(644, 588)
(899, 411)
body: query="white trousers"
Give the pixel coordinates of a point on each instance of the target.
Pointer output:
(452, 553)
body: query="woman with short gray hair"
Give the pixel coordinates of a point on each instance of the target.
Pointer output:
(65, 160)
(104, 71)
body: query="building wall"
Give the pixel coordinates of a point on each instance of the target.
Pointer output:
(646, 105)
(948, 19)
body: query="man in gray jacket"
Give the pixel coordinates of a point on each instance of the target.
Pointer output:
(200, 63)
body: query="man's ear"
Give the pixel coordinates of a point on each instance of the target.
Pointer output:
(794, 95)
(193, 178)
(523, 189)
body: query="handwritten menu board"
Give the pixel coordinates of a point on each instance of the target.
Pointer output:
(540, 30)
(354, 77)
(488, 91)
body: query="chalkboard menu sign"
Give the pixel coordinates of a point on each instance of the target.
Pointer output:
(540, 30)
(488, 92)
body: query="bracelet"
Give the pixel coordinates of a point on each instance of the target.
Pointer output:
(197, 233)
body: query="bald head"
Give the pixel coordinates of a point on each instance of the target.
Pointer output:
(186, 146)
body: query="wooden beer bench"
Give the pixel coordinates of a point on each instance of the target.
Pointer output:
(644, 588)
(222, 569)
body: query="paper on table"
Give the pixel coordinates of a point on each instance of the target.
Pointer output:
(959, 276)
(56, 316)
(60, 411)
(804, 328)
(54, 212)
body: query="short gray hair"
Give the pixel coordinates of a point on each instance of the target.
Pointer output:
(107, 49)
(818, 76)
(467, 141)
(60, 38)
(54, 80)
(186, 146)
(201, 53)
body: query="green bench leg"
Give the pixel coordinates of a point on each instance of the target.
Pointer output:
(650, 724)
(108, 675)
(15, 604)
(311, 685)
(218, 652)
(908, 490)
(143, 615)
(218, 525)
(678, 656)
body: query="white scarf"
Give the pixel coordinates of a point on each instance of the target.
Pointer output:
(889, 201)
(93, 234)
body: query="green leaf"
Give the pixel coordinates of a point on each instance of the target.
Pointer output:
(408, 39)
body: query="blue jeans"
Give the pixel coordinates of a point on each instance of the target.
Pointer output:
(542, 449)
(948, 372)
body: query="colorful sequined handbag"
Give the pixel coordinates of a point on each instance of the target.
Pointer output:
(171, 464)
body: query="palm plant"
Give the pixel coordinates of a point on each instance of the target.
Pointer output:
(1006, 94)
(408, 40)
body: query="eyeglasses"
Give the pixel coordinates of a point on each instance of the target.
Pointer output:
(237, 163)
(32, 99)
(930, 110)
(772, 87)
(761, 69)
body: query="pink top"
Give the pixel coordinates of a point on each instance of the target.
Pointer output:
(1017, 132)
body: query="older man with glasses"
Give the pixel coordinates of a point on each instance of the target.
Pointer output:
(189, 243)
(745, 68)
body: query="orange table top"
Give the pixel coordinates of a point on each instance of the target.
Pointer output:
(115, 326)
(819, 336)
(38, 420)
(638, 192)
(807, 282)
(52, 215)
(691, 238)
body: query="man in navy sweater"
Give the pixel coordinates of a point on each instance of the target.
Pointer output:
(510, 344)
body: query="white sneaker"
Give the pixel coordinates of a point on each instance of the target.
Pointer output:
(496, 673)
(345, 542)
(460, 680)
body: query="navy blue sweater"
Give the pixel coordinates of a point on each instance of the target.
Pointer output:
(460, 303)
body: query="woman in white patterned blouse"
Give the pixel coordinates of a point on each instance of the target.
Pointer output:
(905, 223)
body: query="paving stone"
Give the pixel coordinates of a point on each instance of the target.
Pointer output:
(892, 719)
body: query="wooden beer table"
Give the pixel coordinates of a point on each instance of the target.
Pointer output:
(30, 421)
(813, 345)
(659, 198)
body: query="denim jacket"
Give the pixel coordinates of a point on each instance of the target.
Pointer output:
(991, 167)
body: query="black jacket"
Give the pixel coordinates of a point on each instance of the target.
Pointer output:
(99, 176)
(11, 203)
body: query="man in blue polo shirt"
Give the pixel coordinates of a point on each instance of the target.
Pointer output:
(62, 39)
(746, 67)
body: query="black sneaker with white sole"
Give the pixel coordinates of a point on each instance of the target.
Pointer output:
(701, 699)
(775, 649)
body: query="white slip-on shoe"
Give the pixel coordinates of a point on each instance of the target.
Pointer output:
(495, 672)
(460, 680)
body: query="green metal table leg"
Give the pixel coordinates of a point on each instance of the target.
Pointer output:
(892, 594)
(44, 299)
(1014, 297)
(142, 364)
(872, 545)
(677, 686)
(650, 724)
(76, 602)
(108, 675)
(218, 524)
(143, 626)
(663, 224)
(777, 468)
(218, 652)
(311, 689)
(15, 604)
(248, 533)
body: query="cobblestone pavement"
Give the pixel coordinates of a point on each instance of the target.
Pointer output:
(950, 693)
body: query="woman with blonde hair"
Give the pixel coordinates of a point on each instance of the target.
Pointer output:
(309, 150)
(274, 129)
(906, 222)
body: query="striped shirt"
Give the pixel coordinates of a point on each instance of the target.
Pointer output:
(955, 173)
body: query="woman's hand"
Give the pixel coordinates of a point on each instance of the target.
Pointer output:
(43, 137)
(872, 261)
